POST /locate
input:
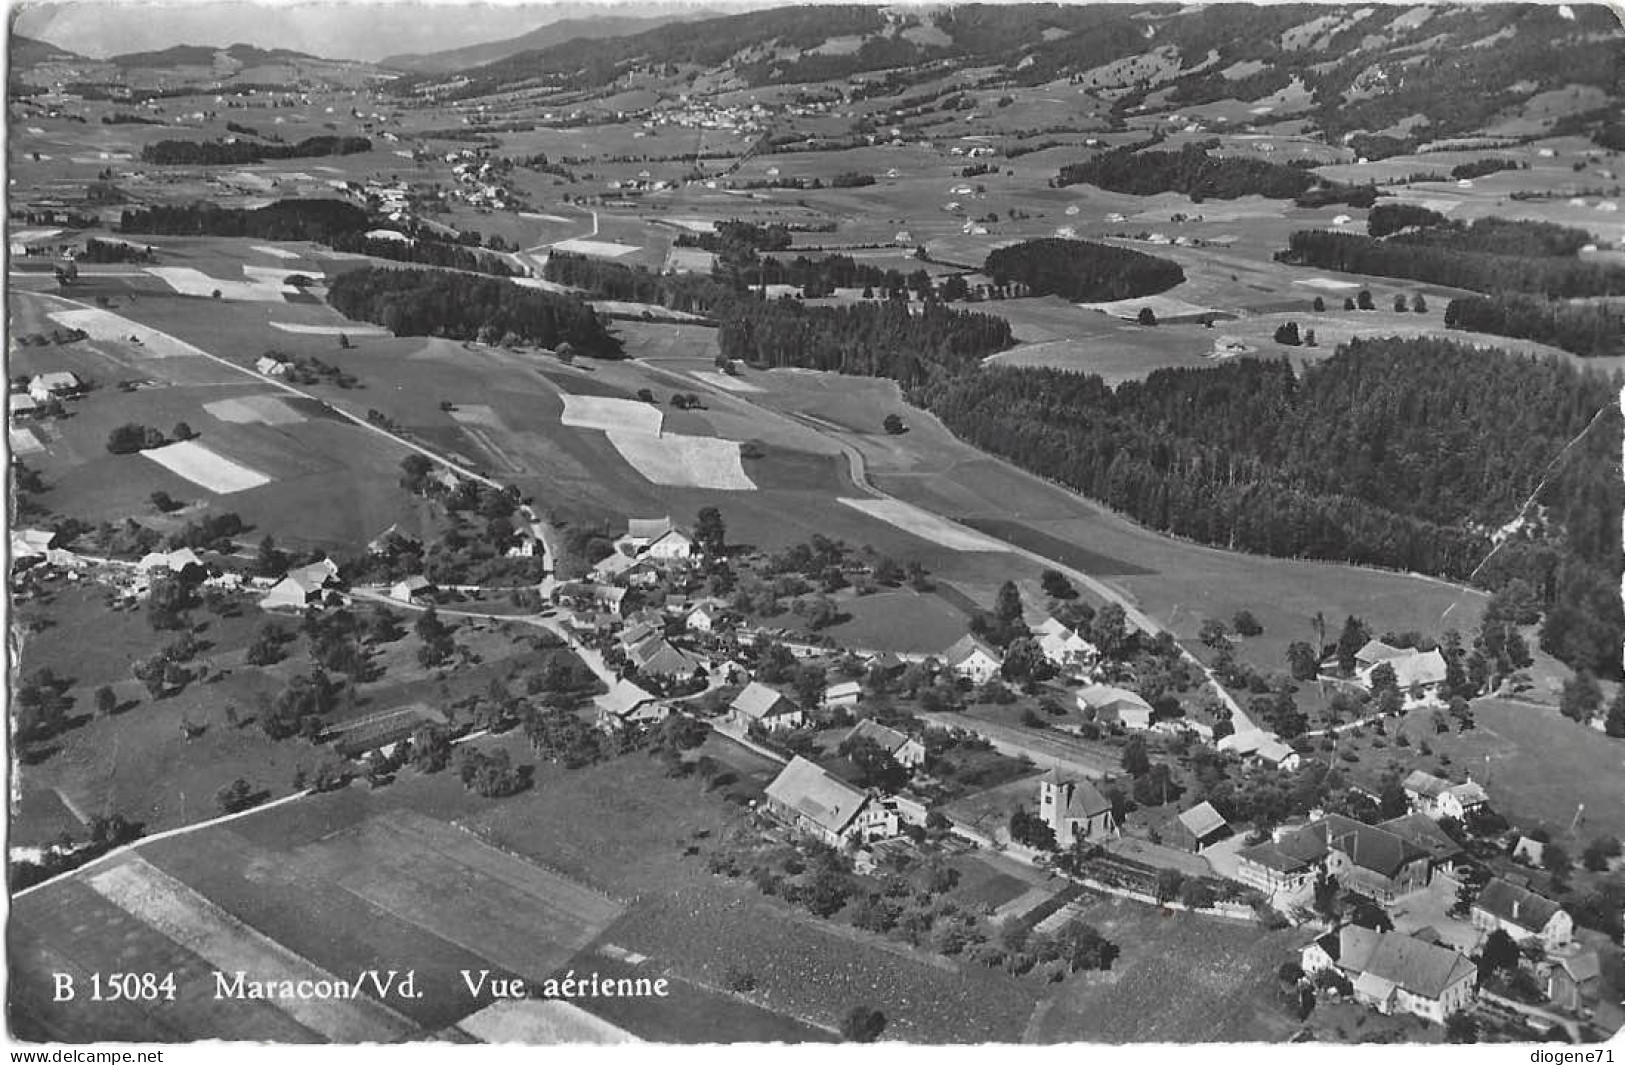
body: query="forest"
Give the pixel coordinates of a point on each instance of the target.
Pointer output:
(1553, 275)
(322, 221)
(1191, 170)
(873, 339)
(237, 153)
(1081, 270)
(1586, 329)
(426, 252)
(1397, 453)
(468, 307)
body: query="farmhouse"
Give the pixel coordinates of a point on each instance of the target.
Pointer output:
(905, 750)
(1074, 809)
(656, 657)
(813, 802)
(1422, 833)
(1573, 979)
(21, 404)
(670, 547)
(1284, 866)
(292, 593)
(31, 543)
(46, 386)
(759, 704)
(585, 595)
(1396, 973)
(707, 617)
(642, 532)
(1065, 648)
(1522, 914)
(1369, 860)
(627, 705)
(1106, 703)
(1256, 745)
(271, 366)
(1201, 826)
(1418, 673)
(973, 658)
(1437, 797)
(411, 589)
(174, 561)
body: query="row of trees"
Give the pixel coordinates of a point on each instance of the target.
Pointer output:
(427, 252)
(293, 219)
(459, 306)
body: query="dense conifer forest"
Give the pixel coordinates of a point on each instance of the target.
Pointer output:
(1082, 270)
(468, 307)
(1586, 329)
(1452, 261)
(1191, 170)
(237, 153)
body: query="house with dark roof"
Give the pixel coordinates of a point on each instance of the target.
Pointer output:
(904, 749)
(1424, 834)
(811, 801)
(655, 656)
(1524, 915)
(1287, 865)
(1074, 809)
(1370, 860)
(1573, 979)
(1395, 973)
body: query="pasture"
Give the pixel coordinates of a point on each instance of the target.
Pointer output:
(1179, 979)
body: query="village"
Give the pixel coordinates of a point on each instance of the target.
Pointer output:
(1418, 899)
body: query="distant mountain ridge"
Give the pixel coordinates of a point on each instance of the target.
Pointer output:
(542, 37)
(203, 55)
(26, 51)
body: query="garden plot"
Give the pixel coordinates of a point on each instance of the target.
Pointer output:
(330, 330)
(101, 325)
(203, 467)
(254, 410)
(181, 914)
(690, 261)
(542, 1022)
(611, 415)
(684, 461)
(925, 525)
(598, 249)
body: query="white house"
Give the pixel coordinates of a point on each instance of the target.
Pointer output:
(271, 366)
(973, 658)
(706, 617)
(1415, 671)
(1522, 914)
(1395, 973)
(762, 705)
(1437, 797)
(811, 801)
(641, 532)
(1108, 703)
(626, 705)
(1064, 647)
(45, 386)
(173, 561)
(291, 593)
(411, 589)
(670, 547)
(846, 694)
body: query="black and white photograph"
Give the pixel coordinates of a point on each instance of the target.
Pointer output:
(682, 523)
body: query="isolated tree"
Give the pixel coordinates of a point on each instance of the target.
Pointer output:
(862, 1024)
(1056, 586)
(1213, 633)
(1007, 606)
(893, 424)
(344, 341)
(1320, 303)
(1363, 300)
(1246, 624)
(1500, 952)
(182, 431)
(1353, 637)
(1136, 762)
(1399, 303)
(1598, 852)
(1581, 697)
(1309, 340)
(1419, 305)
(1146, 316)
(1348, 303)
(1302, 660)
(106, 701)
(710, 532)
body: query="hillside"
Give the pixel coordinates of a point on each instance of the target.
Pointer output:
(26, 52)
(542, 37)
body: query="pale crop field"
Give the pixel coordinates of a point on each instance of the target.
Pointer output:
(541, 1022)
(684, 461)
(259, 289)
(723, 381)
(275, 253)
(102, 325)
(600, 249)
(330, 330)
(252, 410)
(925, 525)
(611, 415)
(201, 466)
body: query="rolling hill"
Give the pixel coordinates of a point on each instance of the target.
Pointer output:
(542, 37)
